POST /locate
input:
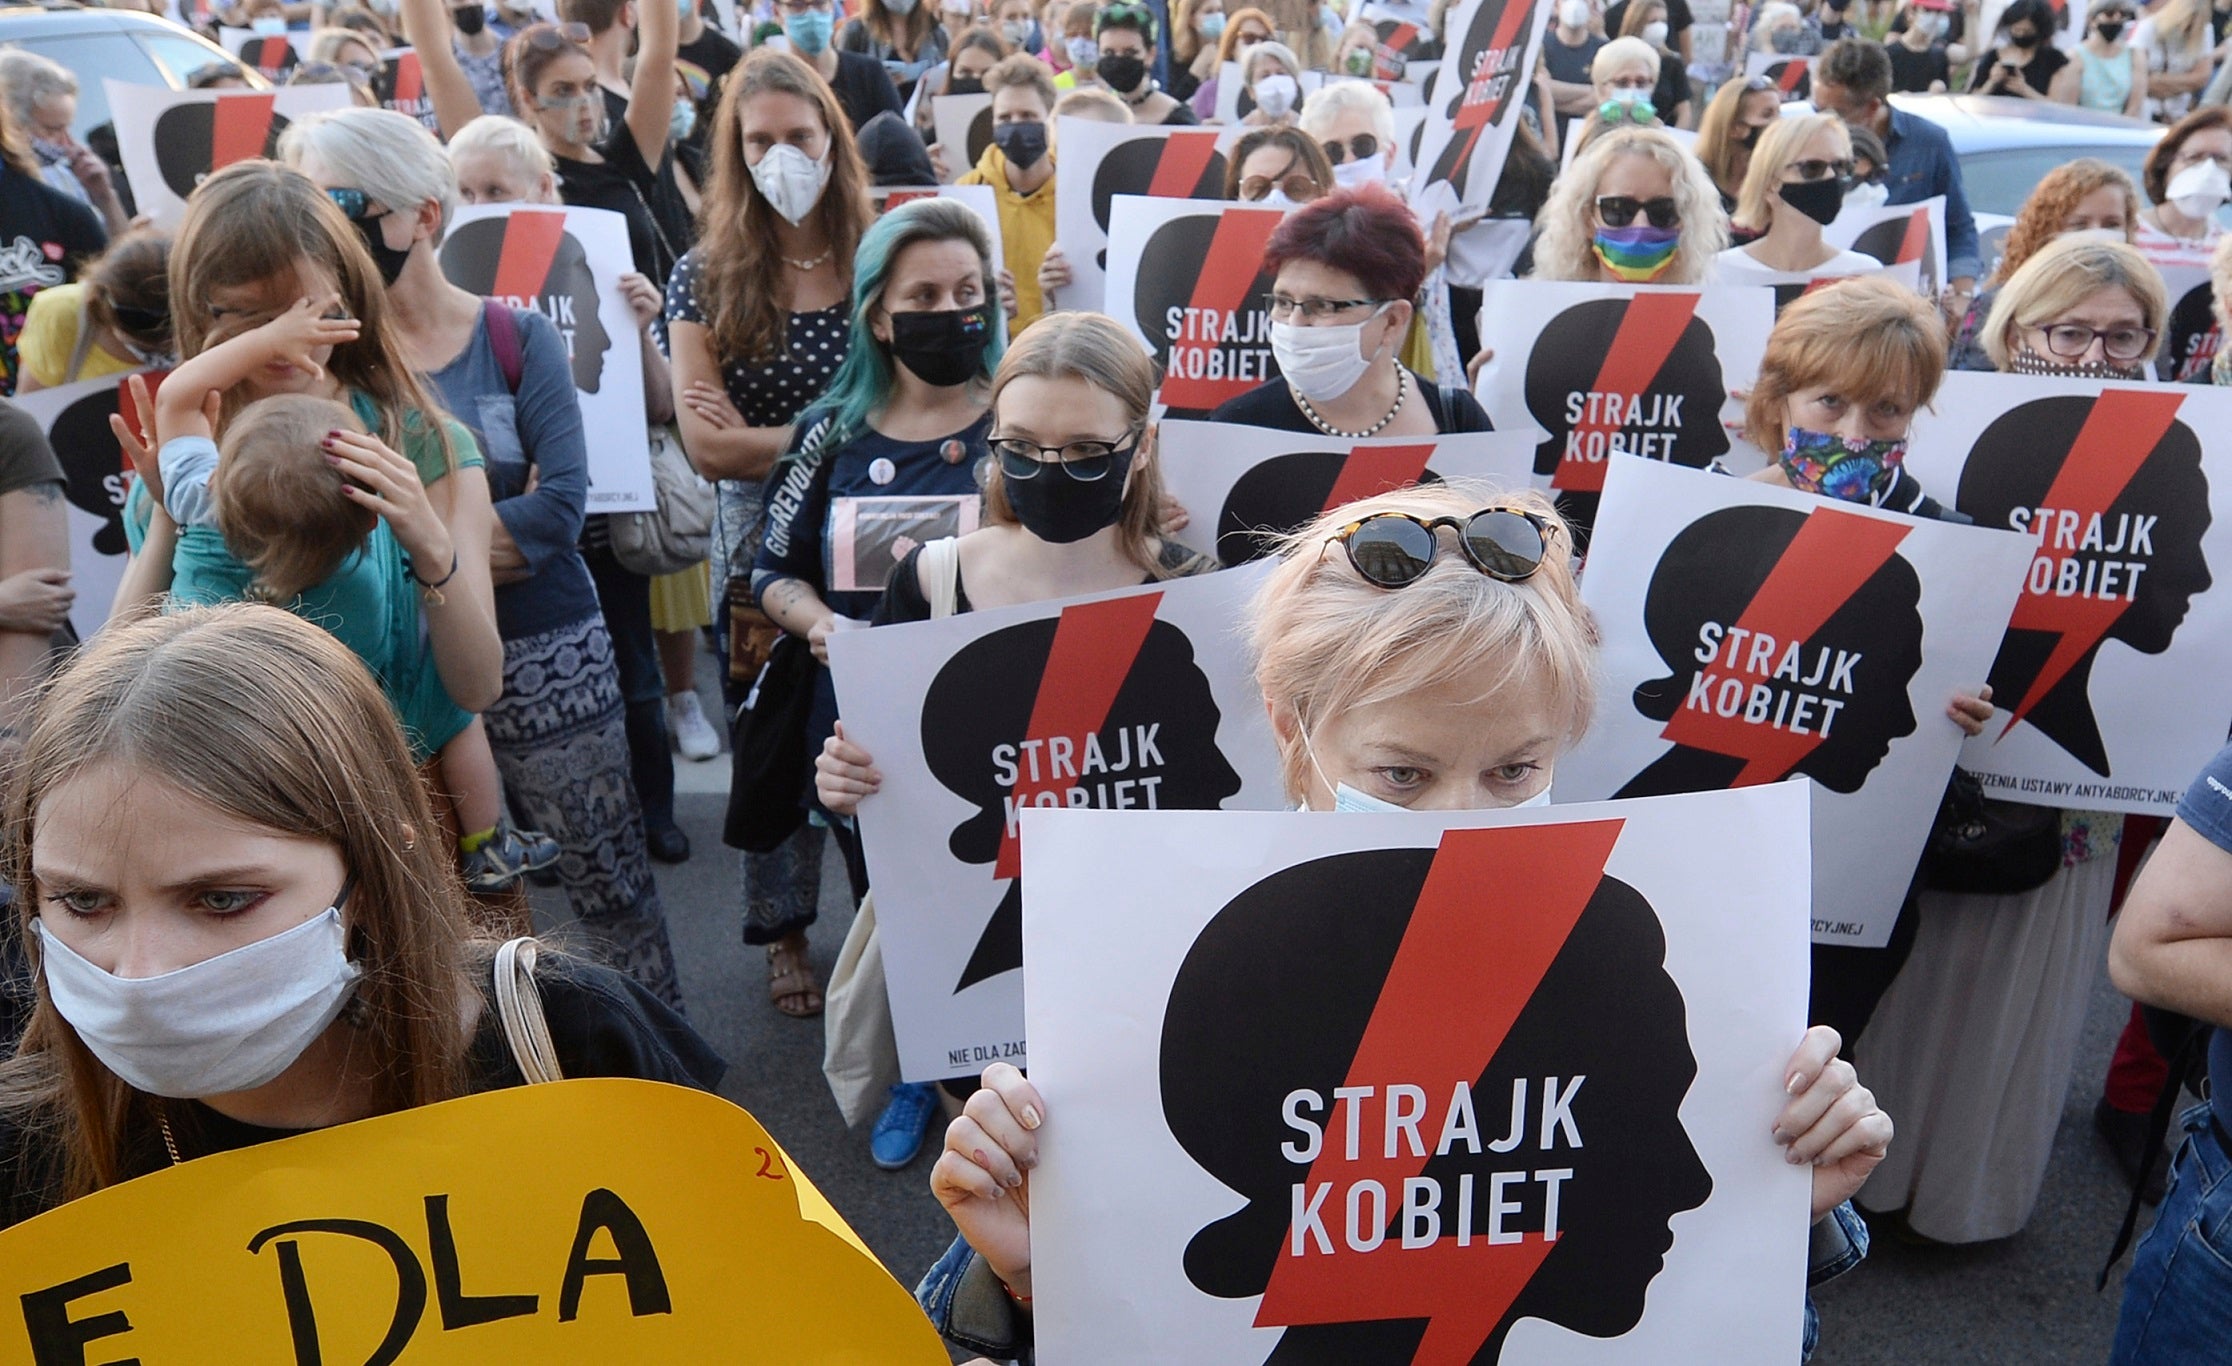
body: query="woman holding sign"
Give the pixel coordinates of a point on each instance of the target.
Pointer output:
(1793, 189)
(1403, 671)
(1346, 271)
(278, 945)
(1633, 208)
(2083, 198)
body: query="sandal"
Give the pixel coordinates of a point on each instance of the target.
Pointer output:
(790, 982)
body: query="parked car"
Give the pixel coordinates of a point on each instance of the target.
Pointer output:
(2006, 145)
(124, 45)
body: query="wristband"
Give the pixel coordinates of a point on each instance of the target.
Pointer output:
(431, 593)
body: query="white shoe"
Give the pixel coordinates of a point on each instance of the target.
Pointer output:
(694, 736)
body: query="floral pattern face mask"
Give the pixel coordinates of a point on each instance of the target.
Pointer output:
(1841, 466)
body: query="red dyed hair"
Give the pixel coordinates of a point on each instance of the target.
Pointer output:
(1366, 232)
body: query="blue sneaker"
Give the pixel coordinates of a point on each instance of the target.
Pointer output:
(902, 1126)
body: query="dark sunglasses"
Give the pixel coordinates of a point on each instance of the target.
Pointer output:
(1363, 147)
(1088, 462)
(552, 37)
(355, 205)
(1619, 210)
(1813, 168)
(1395, 549)
(140, 322)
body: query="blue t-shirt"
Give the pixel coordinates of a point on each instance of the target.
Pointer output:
(2207, 807)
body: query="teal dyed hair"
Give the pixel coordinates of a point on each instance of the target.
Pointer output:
(865, 381)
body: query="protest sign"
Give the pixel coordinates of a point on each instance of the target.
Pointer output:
(1640, 368)
(506, 1226)
(1429, 1087)
(171, 140)
(1143, 698)
(96, 473)
(1753, 633)
(565, 263)
(1791, 76)
(1400, 94)
(2110, 680)
(1896, 234)
(1476, 99)
(964, 129)
(400, 85)
(1244, 486)
(1188, 279)
(272, 55)
(1572, 146)
(978, 197)
(2191, 339)
(1401, 42)
(1100, 161)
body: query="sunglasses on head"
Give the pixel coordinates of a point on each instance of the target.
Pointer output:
(1395, 549)
(1814, 168)
(552, 37)
(1363, 147)
(1619, 210)
(312, 73)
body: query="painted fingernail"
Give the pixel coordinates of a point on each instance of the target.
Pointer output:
(1030, 1117)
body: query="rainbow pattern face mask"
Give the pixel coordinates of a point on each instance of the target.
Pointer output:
(1637, 254)
(1840, 466)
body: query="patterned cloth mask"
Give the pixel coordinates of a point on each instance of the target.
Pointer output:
(1840, 466)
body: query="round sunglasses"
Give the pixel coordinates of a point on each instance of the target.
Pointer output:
(1395, 549)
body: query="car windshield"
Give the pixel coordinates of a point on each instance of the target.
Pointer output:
(92, 56)
(1999, 182)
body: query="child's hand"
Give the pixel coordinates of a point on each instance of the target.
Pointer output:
(385, 482)
(296, 334)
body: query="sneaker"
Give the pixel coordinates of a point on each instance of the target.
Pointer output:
(693, 735)
(496, 866)
(905, 1122)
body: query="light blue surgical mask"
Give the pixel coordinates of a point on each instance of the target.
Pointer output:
(683, 121)
(810, 30)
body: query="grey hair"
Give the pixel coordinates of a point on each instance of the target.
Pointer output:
(505, 137)
(1270, 48)
(1335, 97)
(1563, 252)
(27, 78)
(389, 156)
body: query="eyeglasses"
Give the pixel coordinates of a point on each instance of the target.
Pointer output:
(1299, 187)
(140, 322)
(1813, 168)
(1395, 549)
(2072, 340)
(1619, 210)
(1283, 307)
(553, 37)
(1627, 111)
(1088, 462)
(1363, 147)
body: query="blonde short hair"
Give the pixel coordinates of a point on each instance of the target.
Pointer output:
(1779, 146)
(2060, 277)
(506, 137)
(1091, 102)
(1870, 338)
(1335, 98)
(279, 504)
(1620, 52)
(1563, 252)
(1326, 640)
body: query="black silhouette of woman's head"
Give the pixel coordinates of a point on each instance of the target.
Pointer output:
(185, 141)
(1276, 498)
(91, 465)
(1276, 995)
(1565, 361)
(1130, 167)
(568, 296)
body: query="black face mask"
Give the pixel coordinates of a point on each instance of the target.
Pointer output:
(1747, 139)
(1021, 143)
(965, 85)
(1816, 199)
(1060, 510)
(943, 348)
(2111, 30)
(470, 19)
(2025, 41)
(1122, 73)
(388, 259)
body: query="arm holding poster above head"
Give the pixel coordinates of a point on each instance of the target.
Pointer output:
(2172, 945)
(426, 30)
(651, 87)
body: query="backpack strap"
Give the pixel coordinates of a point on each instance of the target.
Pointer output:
(519, 1006)
(503, 339)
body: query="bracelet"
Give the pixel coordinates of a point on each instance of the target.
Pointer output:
(431, 593)
(1019, 1299)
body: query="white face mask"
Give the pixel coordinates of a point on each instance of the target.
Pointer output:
(1654, 33)
(226, 1024)
(2200, 190)
(791, 180)
(1322, 363)
(1866, 196)
(1274, 94)
(1371, 170)
(1629, 94)
(1346, 798)
(1278, 199)
(1574, 13)
(2092, 235)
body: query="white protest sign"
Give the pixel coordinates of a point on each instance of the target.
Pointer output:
(978, 197)
(1312, 1079)
(1897, 234)
(1100, 161)
(2110, 680)
(1143, 698)
(964, 129)
(1475, 103)
(273, 55)
(1753, 633)
(170, 140)
(1792, 76)
(1243, 486)
(1644, 369)
(96, 475)
(566, 263)
(1187, 278)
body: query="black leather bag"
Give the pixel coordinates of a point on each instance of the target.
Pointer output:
(1983, 845)
(769, 766)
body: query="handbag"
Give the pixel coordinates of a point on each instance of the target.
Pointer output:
(679, 532)
(520, 1008)
(1980, 844)
(769, 766)
(752, 633)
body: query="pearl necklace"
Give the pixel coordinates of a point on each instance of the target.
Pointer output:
(1402, 392)
(810, 263)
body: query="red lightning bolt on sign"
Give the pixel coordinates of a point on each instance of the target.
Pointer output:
(1831, 556)
(1228, 271)
(2121, 431)
(1646, 337)
(1439, 1021)
(1095, 644)
(410, 81)
(1377, 469)
(1789, 74)
(531, 239)
(1178, 171)
(240, 126)
(1476, 113)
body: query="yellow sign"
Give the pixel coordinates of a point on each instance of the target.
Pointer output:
(582, 1221)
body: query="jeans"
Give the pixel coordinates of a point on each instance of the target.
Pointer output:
(626, 599)
(2177, 1301)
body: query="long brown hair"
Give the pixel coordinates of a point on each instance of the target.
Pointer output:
(1093, 348)
(289, 734)
(740, 260)
(887, 28)
(258, 220)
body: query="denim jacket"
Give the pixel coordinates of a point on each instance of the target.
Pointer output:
(972, 1309)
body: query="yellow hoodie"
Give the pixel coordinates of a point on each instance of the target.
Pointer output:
(1026, 229)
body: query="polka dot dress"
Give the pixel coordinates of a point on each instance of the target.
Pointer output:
(771, 393)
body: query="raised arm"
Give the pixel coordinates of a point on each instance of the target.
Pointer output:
(651, 93)
(426, 27)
